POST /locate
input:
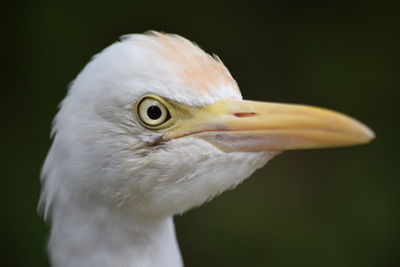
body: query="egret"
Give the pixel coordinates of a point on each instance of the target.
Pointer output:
(152, 127)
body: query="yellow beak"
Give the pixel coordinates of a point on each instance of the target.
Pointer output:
(236, 125)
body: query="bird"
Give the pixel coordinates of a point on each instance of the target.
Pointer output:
(152, 127)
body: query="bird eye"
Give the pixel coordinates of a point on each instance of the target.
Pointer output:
(152, 113)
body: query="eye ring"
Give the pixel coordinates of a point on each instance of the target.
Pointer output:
(152, 112)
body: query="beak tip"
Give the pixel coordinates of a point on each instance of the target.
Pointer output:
(367, 134)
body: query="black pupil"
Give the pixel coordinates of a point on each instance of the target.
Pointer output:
(154, 112)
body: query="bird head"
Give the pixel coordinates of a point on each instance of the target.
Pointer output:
(155, 125)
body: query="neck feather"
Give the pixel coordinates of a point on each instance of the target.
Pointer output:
(86, 234)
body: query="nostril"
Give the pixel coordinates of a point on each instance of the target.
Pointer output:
(245, 114)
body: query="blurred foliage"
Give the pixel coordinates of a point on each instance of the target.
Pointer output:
(336, 207)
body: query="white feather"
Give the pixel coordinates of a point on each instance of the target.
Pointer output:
(108, 195)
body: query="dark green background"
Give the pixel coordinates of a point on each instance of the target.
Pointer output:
(336, 207)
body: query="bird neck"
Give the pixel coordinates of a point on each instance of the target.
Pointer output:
(85, 234)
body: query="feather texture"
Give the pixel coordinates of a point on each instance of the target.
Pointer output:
(108, 191)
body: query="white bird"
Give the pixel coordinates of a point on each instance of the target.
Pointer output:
(152, 127)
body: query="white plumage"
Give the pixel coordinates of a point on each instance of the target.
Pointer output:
(111, 183)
